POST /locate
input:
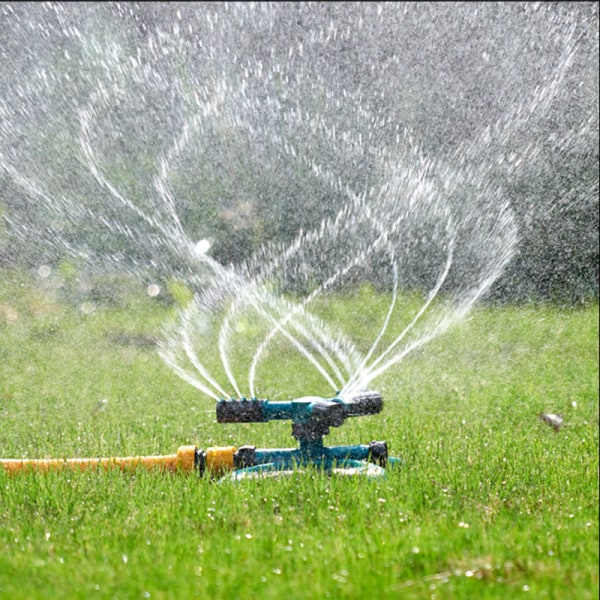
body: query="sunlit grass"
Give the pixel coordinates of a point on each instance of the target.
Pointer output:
(490, 502)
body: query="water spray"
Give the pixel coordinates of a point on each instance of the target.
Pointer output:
(311, 419)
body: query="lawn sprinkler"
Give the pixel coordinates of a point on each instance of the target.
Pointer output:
(311, 419)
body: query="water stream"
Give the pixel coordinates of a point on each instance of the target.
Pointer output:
(270, 156)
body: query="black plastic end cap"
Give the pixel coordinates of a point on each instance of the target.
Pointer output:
(244, 457)
(365, 403)
(378, 453)
(240, 411)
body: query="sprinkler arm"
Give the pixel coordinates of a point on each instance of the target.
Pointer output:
(311, 416)
(307, 414)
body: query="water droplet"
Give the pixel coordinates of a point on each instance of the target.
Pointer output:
(153, 290)
(87, 308)
(44, 271)
(202, 247)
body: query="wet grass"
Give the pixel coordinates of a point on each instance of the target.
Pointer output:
(490, 501)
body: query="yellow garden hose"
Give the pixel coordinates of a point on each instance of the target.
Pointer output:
(184, 461)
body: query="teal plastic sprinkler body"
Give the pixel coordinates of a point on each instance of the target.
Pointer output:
(311, 419)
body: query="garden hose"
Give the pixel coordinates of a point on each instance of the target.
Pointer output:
(186, 460)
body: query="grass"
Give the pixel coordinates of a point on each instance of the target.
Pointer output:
(490, 502)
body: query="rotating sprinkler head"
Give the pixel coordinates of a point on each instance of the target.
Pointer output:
(311, 416)
(311, 419)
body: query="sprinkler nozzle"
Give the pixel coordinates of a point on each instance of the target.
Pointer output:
(364, 403)
(240, 411)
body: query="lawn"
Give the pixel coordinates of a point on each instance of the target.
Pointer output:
(489, 502)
